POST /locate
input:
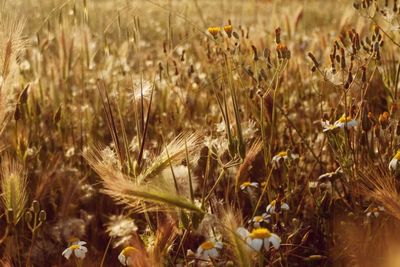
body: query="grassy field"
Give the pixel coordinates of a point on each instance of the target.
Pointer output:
(199, 133)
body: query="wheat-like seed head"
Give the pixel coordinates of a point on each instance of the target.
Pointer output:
(12, 44)
(14, 188)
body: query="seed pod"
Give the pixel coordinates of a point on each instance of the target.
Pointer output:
(35, 206)
(255, 57)
(313, 59)
(28, 216)
(17, 112)
(23, 97)
(42, 216)
(278, 35)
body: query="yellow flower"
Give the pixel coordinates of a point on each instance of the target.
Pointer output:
(214, 31)
(228, 30)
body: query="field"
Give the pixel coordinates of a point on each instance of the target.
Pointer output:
(244, 133)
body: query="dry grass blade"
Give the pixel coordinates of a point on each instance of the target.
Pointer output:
(230, 224)
(380, 186)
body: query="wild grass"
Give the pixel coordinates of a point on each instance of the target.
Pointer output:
(199, 133)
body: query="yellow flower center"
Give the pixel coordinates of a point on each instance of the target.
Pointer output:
(260, 233)
(214, 31)
(128, 250)
(344, 119)
(73, 247)
(258, 218)
(397, 156)
(207, 245)
(228, 29)
(282, 154)
(246, 184)
(273, 203)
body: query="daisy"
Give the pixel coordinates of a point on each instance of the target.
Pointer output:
(77, 248)
(327, 126)
(344, 121)
(284, 155)
(248, 186)
(257, 220)
(208, 249)
(125, 256)
(273, 208)
(394, 161)
(259, 237)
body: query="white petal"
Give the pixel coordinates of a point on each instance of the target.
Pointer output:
(79, 253)
(256, 244)
(393, 164)
(199, 250)
(242, 187)
(243, 232)
(285, 206)
(254, 184)
(83, 249)
(275, 240)
(122, 259)
(276, 158)
(81, 243)
(212, 253)
(67, 253)
(218, 245)
(352, 123)
(268, 208)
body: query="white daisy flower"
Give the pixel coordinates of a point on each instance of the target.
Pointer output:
(284, 155)
(257, 220)
(249, 187)
(344, 121)
(394, 162)
(246, 185)
(125, 256)
(272, 207)
(327, 126)
(260, 237)
(77, 248)
(208, 249)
